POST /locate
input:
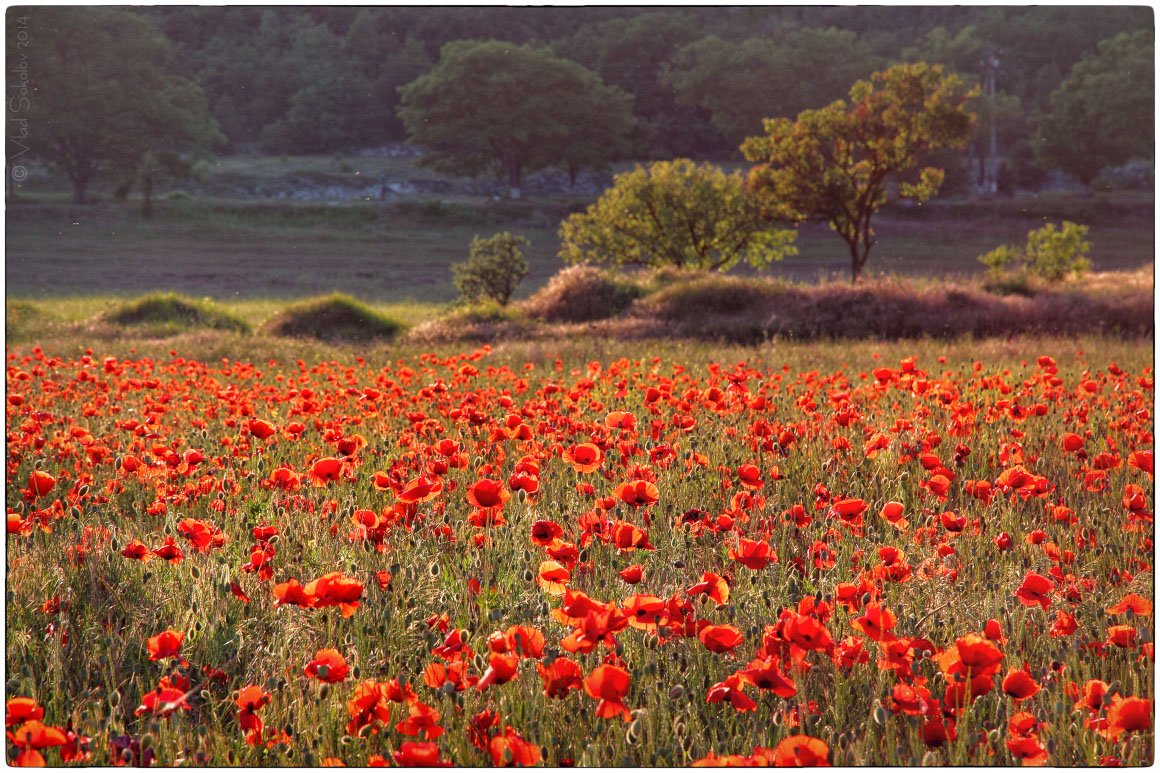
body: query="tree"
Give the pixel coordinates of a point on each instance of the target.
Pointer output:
(1049, 253)
(843, 163)
(675, 213)
(494, 267)
(104, 96)
(1103, 113)
(742, 83)
(630, 53)
(489, 105)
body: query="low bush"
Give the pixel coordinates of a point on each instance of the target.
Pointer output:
(170, 313)
(493, 270)
(332, 318)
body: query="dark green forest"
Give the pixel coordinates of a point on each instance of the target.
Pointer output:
(1066, 88)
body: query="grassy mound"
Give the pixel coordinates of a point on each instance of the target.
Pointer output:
(583, 294)
(479, 323)
(334, 317)
(162, 314)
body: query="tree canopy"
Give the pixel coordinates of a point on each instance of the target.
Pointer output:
(490, 104)
(105, 95)
(740, 84)
(1103, 113)
(844, 162)
(675, 213)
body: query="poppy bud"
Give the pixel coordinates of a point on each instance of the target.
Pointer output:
(114, 698)
(193, 570)
(146, 741)
(879, 715)
(676, 692)
(528, 576)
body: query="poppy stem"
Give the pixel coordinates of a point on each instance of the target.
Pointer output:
(928, 614)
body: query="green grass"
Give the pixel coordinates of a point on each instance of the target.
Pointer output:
(402, 250)
(169, 313)
(335, 317)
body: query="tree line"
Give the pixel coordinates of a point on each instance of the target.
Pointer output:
(1073, 85)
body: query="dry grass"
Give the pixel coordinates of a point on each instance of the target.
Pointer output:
(583, 294)
(745, 311)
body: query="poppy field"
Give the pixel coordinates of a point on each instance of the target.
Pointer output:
(467, 559)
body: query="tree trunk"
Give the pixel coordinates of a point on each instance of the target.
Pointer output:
(79, 189)
(515, 175)
(147, 191)
(514, 178)
(856, 262)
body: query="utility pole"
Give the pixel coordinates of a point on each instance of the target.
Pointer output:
(991, 175)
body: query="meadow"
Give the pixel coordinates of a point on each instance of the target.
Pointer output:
(230, 238)
(534, 536)
(248, 551)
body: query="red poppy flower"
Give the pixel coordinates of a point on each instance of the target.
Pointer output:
(1127, 715)
(328, 666)
(291, 592)
(645, 613)
(1028, 749)
(801, 751)
(972, 656)
(750, 477)
(334, 589)
(40, 483)
(876, 622)
(1131, 601)
(766, 675)
(620, 420)
(166, 644)
(325, 471)
(487, 493)
(584, 458)
(632, 574)
(1065, 625)
(138, 551)
(419, 754)
(608, 684)
(34, 734)
(712, 585)
(509, 749)
(261, 429)
(637, 493)
(720, 638)
(807, 632)
(19, 710)
(1019, 685)
(559, 677)
(733, 691)
(422, 489)
(169, 551)
(753, 554)
(501, 669)
(553, 578)
(1035, 589)
(162, 702)
(421, 720)
(545, 532)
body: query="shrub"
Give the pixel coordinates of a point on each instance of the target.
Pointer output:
(1049, 254)
(583, 294)
(169, 313)
(335, 317)
(675, 213)
(493, 270)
